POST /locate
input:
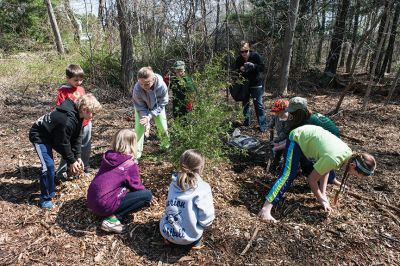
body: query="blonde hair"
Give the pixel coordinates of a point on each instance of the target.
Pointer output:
(145, 72)
(124, 141)
(366, 160)
(191, 167)
(89, 102)
(244, 45)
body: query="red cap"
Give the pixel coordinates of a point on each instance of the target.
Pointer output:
(279, 105)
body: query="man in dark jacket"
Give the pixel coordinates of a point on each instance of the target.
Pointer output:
(61, 130)
(250, 65)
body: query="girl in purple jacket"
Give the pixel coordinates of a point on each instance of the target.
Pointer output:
(117, 189)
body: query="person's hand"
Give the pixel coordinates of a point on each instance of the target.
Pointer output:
(242, 68)
(325, 204)
(249, 66)
(81, 164)
(76, 167)
(144, 120)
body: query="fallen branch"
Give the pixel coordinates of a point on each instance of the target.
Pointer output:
(250, 242)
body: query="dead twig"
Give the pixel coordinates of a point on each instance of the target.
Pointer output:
(250, 242)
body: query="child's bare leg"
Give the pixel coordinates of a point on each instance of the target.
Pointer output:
(323, 182)
(337, 182)
(265, 213)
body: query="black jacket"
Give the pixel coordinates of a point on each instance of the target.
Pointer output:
(62, 129)
(251, 74)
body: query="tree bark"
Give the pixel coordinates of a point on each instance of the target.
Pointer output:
(54, 27)
(217, 28)
(74, 21)
(337, 38)
(392, 38)
(288, 45)
(102, 13)
(380, 45)
(375, 54)
(354, 36)
(321, 33)
(126, 44)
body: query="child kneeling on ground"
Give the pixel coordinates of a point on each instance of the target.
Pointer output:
(189, 206)
(117, 190)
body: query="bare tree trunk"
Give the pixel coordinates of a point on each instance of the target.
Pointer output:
(337, 38)
(124, 15)
(392, 38)
(321, 33)
(54, 27)
(361, 43)
(288, 45)
(217, 28)
(371, 79)
(74, 21)
(102, 13)
(239, 21)
(380, 35)
(354, 36)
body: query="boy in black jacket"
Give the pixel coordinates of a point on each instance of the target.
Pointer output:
(61, 130)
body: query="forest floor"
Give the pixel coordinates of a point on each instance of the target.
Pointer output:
(363, 230)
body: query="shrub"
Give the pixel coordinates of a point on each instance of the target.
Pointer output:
(206, 126)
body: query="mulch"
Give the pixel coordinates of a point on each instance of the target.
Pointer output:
(364, 228)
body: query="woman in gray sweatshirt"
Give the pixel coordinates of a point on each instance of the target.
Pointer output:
(189, 207)
(150, 96)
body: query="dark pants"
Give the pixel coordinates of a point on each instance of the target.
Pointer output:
(307, 167)
(256, 94)
(47, 186)
(132, 202)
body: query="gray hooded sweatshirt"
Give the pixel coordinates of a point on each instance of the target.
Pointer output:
(187, 212)
(152, 102)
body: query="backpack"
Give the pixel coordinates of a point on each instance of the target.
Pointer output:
(239, 92)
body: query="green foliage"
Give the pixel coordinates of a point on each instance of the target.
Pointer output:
(23, 24)
(207, 125)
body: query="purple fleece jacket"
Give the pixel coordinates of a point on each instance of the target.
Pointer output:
(118, 174)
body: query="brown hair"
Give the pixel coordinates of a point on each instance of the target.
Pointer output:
(299, 117)
(74, 71)
(145, 72)
(124, 141)
(191, 167)
(367, 161)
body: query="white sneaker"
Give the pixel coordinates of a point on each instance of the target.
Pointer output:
(113, 225)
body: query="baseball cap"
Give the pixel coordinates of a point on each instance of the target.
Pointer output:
(296, 103)
(278, 105)
(179, 65)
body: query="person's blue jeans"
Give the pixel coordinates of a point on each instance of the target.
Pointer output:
(47, 186)
(256, 94)
(132, 202)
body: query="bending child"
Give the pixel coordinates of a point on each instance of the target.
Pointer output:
(117, 190)
(61, 130)
(329, 153)
(189, 206)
